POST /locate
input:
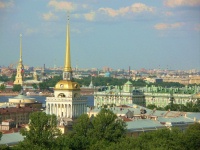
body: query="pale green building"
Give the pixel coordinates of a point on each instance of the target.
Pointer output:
(159, 96)
(163, 96)
(116, 95)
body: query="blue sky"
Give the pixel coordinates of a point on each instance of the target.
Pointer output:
(118, 34)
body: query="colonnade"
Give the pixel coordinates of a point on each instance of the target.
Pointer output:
(66, 110)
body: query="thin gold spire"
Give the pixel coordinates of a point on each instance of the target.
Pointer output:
(20, 58)
(67, 67)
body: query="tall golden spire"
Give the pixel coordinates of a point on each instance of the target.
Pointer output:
(20, 67)
(67, 72)
(20, 58)
(67, 67)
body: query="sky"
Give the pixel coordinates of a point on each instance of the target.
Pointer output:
(151, 34)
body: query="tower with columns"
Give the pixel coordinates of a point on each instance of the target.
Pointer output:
(67, 103)
(20, 67)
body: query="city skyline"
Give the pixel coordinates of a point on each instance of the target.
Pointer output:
(159, 34)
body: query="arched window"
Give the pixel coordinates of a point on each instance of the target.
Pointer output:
(61, 95)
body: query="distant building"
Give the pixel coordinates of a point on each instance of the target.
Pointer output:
(192, 79)
(161, 97)
(22, 100)
(7, 124)
(154, 80)
(115, 95)
(20, 115)
(7, 71)
(107, 74)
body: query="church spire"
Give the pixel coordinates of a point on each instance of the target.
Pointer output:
(67, 72)
(20, 58)
(20, 67)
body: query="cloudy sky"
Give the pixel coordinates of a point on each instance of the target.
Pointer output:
(115, 33)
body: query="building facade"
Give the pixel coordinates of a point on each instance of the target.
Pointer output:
(158, 96)
(20, 115)
(161, 97)
(119, 96)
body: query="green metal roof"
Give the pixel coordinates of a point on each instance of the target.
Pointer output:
(11, 139)
(20, 96)
(128, 82)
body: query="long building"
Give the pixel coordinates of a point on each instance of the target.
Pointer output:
(159, 96)
(115, 95)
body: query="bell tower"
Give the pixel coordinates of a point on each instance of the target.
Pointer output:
(20, 67)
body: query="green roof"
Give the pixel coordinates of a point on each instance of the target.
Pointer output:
(20, 96)
(11, 139)
(128, 82)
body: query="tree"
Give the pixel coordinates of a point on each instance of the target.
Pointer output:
(2, 87)
(96, 132)
(13, 77)
(79, 137)
(43, 86)
(192, 137)
(107, 126)
(35, 86)
(41, 133)
(4, 78)
(17, 88)
(151, 106)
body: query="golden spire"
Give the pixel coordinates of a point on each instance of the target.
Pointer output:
(20, 58)
(67, 67)
(20, 67)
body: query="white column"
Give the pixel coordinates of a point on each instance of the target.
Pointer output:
(65, 110)
(57, 111)
(49, 108)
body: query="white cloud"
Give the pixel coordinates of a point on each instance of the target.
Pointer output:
(6, 4)
(165, 26)
(134, 8)
(177, 3)
(49, 16)
(90, 16)
(109, 11)
(62, 5)
(139, 7)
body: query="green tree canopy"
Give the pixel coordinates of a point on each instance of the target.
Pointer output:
(17, 88)
(41, 133)
(90, 133)
(192, 137)
(35, 86)
(4, 78)
(107, 126)
(2, 87)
